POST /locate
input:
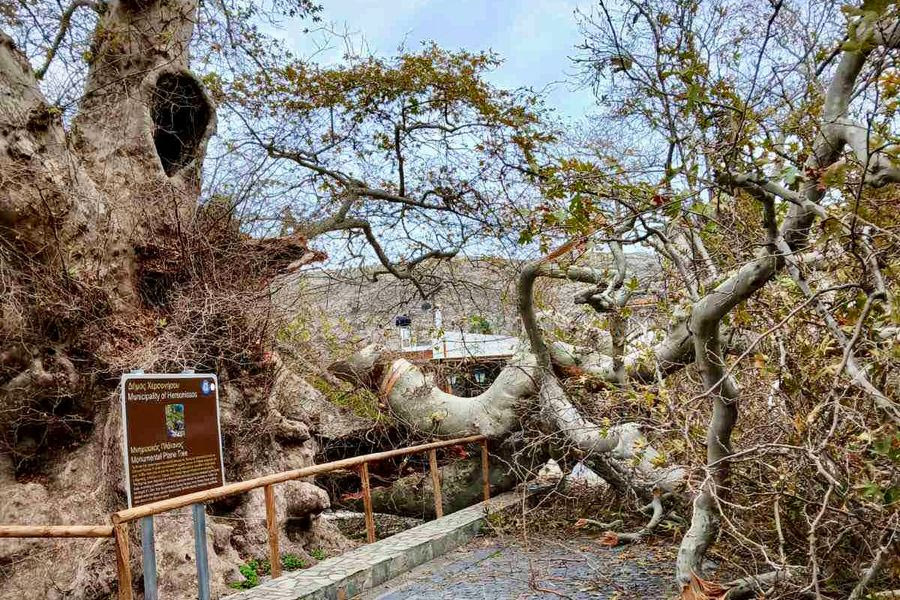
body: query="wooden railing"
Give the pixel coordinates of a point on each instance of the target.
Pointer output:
(120, 520)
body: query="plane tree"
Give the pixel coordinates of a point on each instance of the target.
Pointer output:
(403, 161)
(753, 150)
(126, 243)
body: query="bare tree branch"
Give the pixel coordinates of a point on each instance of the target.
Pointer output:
(65, 19)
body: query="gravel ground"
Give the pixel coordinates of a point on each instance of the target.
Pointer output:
(507, 568)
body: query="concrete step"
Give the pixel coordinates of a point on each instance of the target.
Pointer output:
(371, 565)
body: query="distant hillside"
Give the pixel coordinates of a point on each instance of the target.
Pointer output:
(470, 294)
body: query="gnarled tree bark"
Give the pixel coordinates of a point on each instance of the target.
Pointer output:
(100, 232)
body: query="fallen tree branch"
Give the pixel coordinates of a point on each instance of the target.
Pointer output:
(655, 519)
(881, 556)
(414, 399)
(754, 585)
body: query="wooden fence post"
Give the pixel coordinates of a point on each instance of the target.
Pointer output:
(485, 471)
(272, 527)
(123, 561)
(367, 502)
(436, 483)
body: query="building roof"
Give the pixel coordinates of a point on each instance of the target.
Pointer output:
(458, 345)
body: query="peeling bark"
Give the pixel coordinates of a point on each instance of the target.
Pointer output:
(423, 407)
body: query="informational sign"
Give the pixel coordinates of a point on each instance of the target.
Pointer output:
(173, 444)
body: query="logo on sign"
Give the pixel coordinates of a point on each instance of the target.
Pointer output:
(207, 387)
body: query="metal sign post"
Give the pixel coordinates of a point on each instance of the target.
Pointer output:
(199, 514)
(172, 446)
(148, 548)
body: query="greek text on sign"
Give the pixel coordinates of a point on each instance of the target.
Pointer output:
(172, 438)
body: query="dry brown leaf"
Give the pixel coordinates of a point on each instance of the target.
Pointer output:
(610, 538)
(701, 589)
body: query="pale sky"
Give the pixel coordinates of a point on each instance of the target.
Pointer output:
(534, 37)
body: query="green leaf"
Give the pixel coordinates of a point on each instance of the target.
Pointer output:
(790, 174)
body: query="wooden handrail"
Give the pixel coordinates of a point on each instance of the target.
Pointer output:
(120, 520)
(154, 508)
(56, 531)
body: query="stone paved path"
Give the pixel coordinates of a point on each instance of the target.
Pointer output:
(370, 565)
(504, 568)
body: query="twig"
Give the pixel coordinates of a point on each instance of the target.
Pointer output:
(879, 560)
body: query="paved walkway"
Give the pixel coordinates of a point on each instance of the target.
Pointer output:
(370, 565)
(504, 568)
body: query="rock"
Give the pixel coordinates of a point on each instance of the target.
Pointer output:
(549, 473)
(584, 479)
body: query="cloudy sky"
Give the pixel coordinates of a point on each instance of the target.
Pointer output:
(534, 37)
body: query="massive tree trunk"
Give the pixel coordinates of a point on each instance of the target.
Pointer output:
(103, 246)
(93, 218)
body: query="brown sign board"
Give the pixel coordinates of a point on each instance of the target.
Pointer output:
(173, 444)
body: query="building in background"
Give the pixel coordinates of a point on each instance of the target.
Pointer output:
(463, 363)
